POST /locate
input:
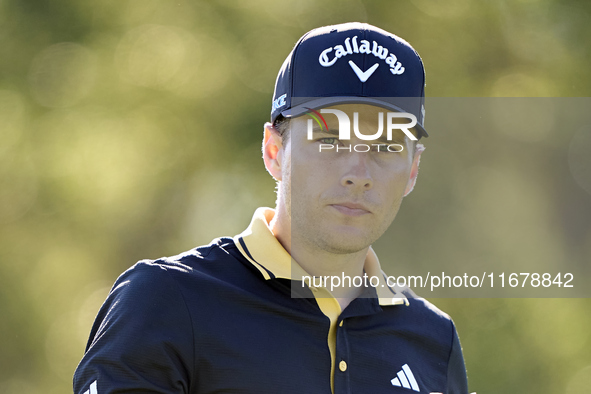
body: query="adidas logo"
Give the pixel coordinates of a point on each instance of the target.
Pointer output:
(405, 379)
(92, 389)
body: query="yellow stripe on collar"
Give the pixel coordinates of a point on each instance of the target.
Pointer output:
(264, 250)
(387, 295)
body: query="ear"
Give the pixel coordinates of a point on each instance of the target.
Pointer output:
(414, 169)
(272, 151)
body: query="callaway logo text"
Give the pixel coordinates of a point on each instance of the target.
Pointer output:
(351, 46)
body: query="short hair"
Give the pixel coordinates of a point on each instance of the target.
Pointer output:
(282, 125)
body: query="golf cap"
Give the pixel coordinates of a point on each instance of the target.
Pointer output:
(351, 63)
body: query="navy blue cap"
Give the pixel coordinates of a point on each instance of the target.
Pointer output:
(351, 63)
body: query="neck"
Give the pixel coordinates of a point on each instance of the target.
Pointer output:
(318, 262)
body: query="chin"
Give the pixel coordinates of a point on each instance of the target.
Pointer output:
(346, 243)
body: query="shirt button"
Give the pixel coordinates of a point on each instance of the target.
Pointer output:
(343, 366)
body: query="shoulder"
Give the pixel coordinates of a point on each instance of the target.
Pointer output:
(158, 286)
(219, 252)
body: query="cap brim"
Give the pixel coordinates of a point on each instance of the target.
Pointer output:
(323, 102)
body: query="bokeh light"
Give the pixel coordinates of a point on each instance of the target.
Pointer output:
(62, 74)
(153, 55)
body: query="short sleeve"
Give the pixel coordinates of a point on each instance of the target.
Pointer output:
(142, 339)
(457, 381)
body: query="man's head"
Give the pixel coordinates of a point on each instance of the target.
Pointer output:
(340, 195)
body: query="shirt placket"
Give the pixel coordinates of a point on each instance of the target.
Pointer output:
(342, 384)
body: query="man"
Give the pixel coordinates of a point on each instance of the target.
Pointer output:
(245, 314)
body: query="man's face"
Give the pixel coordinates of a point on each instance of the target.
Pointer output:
(342, 202)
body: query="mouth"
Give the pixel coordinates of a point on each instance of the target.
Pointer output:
(351, 209)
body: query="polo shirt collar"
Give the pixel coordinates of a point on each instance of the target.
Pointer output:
(260, 247)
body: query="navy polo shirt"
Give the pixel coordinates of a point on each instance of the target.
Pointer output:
(222, 318)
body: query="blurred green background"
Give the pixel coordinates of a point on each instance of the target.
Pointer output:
(131, 129)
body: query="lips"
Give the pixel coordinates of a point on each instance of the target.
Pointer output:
(351, 208)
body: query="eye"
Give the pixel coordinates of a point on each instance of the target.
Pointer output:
(329, 141)
(380, 147)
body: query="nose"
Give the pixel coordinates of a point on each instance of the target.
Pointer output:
(357, 174)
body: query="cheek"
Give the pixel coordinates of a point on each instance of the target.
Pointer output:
(309, 170)
(392, 191)
(306, 183)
